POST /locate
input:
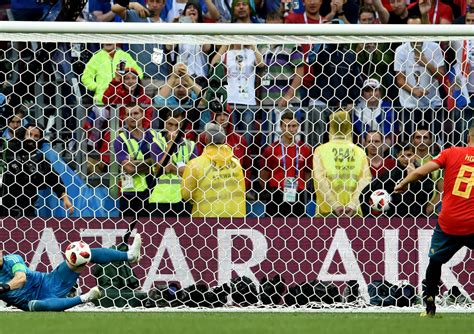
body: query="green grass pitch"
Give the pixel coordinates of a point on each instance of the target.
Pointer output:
(222, 323)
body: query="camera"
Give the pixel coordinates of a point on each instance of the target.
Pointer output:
(216, 107)
(121, 67)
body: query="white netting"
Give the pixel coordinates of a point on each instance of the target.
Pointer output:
(256, 228)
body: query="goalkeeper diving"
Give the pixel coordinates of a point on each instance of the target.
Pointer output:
(37, 291)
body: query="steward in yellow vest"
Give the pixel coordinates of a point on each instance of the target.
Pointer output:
(132, 152)
(214, 182)
(165, 199)
(340, 170)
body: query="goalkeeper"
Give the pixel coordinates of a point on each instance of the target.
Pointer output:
(36, 291)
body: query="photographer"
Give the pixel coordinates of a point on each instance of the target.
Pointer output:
(24, 172)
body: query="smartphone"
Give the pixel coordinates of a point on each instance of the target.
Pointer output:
(185, 19)
(122, 64)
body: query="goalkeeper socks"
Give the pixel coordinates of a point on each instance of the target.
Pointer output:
(107, 255)
(54, 304)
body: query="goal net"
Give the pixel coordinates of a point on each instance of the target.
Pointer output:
(251, 158)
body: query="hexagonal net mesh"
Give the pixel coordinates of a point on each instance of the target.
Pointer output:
(250, 164)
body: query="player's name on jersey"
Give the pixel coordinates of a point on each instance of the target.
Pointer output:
(469, 158)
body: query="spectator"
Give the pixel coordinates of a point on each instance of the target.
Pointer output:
(243, 12)
(281, 62)
(194, 56)
(165, 199)
(29, 10)
(150, 56)
(418, 66)
(401, 11)
(102, 68)
(338, 11)
(371, 113)
(27, 172)
(438, 13)
(337, 85)
(126, 88)
(174, 9)
(462, 82)
(367, 15)
(344, 10)
(311, 14)
(376, 150)
(241, 62)
(338, 81)
(411, 203)
(463, 17)
(303, 79)
(340, 170)
(375, 59)
(397, 15)
(214, 182)
(285, 169)
(101, 10)
(15, 123)
(132, 152)
(33, 59)
(180, 89)
(221, 116)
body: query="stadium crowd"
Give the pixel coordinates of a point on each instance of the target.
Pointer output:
(279, 124)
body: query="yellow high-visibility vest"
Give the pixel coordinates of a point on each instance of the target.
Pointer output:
(138, 180)
(168, 186)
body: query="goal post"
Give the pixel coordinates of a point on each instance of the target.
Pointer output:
(270, 232)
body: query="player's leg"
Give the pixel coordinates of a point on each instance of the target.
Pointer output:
(61, 280)
(442, 249)
(433, 276)
(61, 304)
(107, 255)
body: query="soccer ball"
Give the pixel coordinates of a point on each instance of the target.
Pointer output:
(380, 200)
(78, 253)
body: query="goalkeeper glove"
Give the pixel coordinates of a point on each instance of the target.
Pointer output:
(4, 288)
(123, 3)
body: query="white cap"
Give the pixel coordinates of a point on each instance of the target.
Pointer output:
(374, 83)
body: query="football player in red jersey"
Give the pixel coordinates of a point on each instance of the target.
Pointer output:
(455, 227)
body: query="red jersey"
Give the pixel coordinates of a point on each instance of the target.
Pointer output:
(457, 212)
(272, 159)
(440, 10)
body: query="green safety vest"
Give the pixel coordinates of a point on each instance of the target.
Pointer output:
(168, 186)
(137, 182)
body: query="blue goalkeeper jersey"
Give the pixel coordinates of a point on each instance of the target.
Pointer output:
(34, 280)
